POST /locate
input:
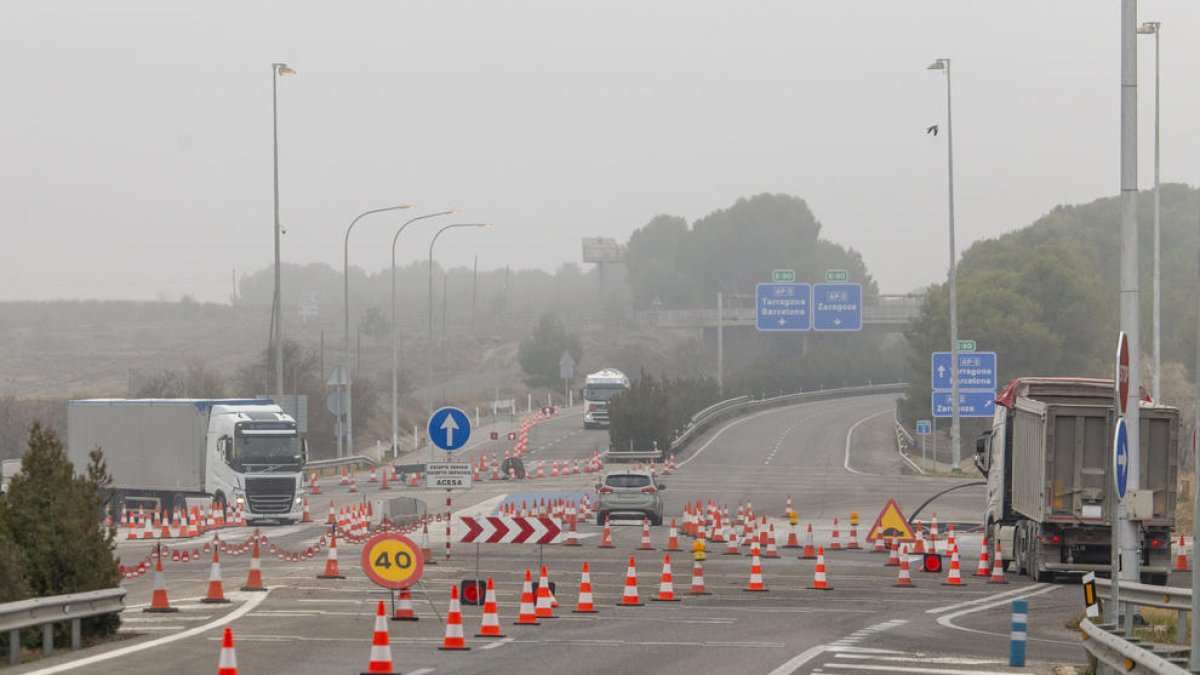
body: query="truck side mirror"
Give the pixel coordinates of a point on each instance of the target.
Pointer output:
(303, 451)
(225, 447)
(982, 456)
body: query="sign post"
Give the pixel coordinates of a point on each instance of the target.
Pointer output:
(923, 430)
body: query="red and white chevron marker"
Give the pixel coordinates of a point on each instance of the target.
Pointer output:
(511, 530)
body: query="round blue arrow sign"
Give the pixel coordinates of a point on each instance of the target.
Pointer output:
(449, 428)
(1121, 458)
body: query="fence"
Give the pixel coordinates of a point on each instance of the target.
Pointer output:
(46, 612)
(1109, 649)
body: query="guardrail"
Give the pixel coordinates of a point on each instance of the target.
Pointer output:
(46, 612)
(357, 461)
(1106, 646)
(904, 441)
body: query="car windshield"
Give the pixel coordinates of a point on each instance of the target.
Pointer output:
(602, 392)
(627, 481)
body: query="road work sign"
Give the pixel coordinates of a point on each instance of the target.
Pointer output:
(448, 476)
(891, 522)
(392, 560)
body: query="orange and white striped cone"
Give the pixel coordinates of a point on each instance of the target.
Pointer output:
(254, 580)
(216, 593)
(732, 545)
(951, 542)
(904, 578)
(879, 547)
(572, 535)
(381, 649)
(820, 583)
(527, 614)
(1181, 557)
(836, 544)
(630, 597)
(954, 577)
(374, 478)
(756, 576)
(853, 545)
(332, 518)
(666, 587)
(306, 517)
(544, 608)
(893, 554)
(919, 536)
(404, 607)
(810, 550)
(454, 640)
(314, 487)
(698, 580)
(227, 662)
(998, 568)
(490, 625)
(787, 512)
(645, 545)
(586, 605)
(673, 538)
(933, 529)
(426, 550)
(793, 539)
(984, 568)
(771, 551)
(383, 485)
(606, 537)
(158, 601)
(331, 559)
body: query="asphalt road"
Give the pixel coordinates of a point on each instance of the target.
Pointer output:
(831, 458)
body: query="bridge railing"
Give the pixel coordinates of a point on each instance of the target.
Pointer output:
(1109, 649)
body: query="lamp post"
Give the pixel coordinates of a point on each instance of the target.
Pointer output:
(1155, 28)
(346, 337)
(395, 329)
(956, 450)
(277, 70)
(429, 357)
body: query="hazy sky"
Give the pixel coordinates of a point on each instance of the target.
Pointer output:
(135, 137)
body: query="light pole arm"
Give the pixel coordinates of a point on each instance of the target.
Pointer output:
(429, 357)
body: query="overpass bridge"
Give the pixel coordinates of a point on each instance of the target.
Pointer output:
(888, 312)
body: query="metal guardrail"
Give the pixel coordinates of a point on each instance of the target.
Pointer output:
(353, 460)
(46, 612)
(1122, 655)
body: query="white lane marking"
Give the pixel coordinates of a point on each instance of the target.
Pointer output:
(422, 671)
(850, 433)
(911, 669)
(721, 431)
(925, 658)
(986, 598)
(948, 620)
(253, 601)
(794, 663)
(804, 657)
(493, 645)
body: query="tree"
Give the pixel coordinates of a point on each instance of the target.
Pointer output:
(375, 324)
(196, 381)
(540, 352)
(639, 416)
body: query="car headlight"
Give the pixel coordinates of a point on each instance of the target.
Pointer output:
(297, 500)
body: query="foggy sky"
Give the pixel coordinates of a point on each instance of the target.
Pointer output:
(135, 137)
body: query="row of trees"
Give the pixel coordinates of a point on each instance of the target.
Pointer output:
(650, 413)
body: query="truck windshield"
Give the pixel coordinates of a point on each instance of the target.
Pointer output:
(602, 392)
(258, 450)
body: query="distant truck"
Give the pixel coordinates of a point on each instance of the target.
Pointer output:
(1050, 495)
(8, 469)
(598, 388)
(164, 451)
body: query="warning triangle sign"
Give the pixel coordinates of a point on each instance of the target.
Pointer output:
(891, 522)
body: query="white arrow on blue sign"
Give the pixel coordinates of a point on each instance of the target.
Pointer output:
(1121, 458)
(970, 404)
(449, 428)
(976, 370)
(837, 307)
(924, 428)
(783, 307)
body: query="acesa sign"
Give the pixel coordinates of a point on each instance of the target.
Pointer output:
(448, 476)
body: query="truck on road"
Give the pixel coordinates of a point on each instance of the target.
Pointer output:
(598, 388)
(245, 452)
(1051, 500)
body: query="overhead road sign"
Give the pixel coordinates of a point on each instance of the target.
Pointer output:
(976, 371)
(504, 530)
(837, 307)
(448, 476)
(449, 428)
(891, 522)
(392, 560)
(783, 307)
(970, 403)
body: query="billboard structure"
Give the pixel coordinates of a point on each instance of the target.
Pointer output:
(601, 250)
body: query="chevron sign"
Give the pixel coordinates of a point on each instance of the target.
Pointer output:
(502, 530)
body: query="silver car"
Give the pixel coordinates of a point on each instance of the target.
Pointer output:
(629, 494)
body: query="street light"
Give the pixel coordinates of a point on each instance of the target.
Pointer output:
(277, 70)
(429, 357)
(1155, 28)
(956, 451)
(346, 338)
(395, 330)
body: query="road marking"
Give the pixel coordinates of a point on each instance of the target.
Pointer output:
(925, 658)
(913, 669)
(251, 602)
(493, 645)
(850, 433)
(813, 652)
(986, 598)
(423, 671)
(800, 659)
(721, 431)
(948, 620)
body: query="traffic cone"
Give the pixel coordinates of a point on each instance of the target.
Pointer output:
(951, 543)
(572, 536)
(698, 580)
(819, 581)
(381, 650)
(666, 588)
(904, 579)
(630, 596)
(227, 663)
(836, 545)
(853, 545)
(585, 604)
(254, 580)
(810, 551)
(490, 626)
(543, 608)
(771, 551)
(606, 537)
(332, 518)
(383, 485)
(793, 540)
(879, 545)
(331, 559)
(314, 487)
(216, 593)
(731, 542)
(158, 601)
(527, 614)
(893, 554)
(919, 547)
(404, 607)
(998, 568)
(1181, 558)
(306, 517)
(673, 538)
(983, 569)
(756, 577)
(645, 545)
(454, 640)
(426, 551)
(933, 529)
(787, 512)
(955, 576)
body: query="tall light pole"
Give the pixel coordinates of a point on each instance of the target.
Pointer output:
(1155, 28)
(956, 450)
(395, 329)
(429, 357)
(277, 70)
(346, 337)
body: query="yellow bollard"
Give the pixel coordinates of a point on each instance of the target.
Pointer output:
(698, 550)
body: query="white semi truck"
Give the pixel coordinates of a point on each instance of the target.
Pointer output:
(598, 388)
(246, 452)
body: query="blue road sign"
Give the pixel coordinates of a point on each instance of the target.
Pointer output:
(924, 427)
(1121, 458)
(976, 371)
(837, 307)
(970, 404)
(783, 307)
(449, 428)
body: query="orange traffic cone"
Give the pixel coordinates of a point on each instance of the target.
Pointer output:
(853, 545)
(606, 537)
(893, 554)
(404, 607)
(771, 551)
(331, 560)
(793, 540)
(837, 542)
(381, 650)
(819, 581)
(543, 608)
(983, 569)
(454, 640)
(630, 597)
(585, 604)
(904, 579)
(332, 518)
(426, 550)
(216, 593)
(698, 580)
(572, 535)
(810, 551)
(491, 613)
(756, 577)
(998, 568)
(673, 538)
(954, 577)
(227, 663)
(254, 580)
(1181, 558)
(527, 614)
(306, 517)
(645, 545)
(158, 601)
(880, 547)
(666, 588)
(383, 485)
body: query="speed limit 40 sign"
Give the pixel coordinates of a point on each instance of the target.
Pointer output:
(392, 560)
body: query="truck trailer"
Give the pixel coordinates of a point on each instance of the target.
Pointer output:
(1051, 500)
(245, 452)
